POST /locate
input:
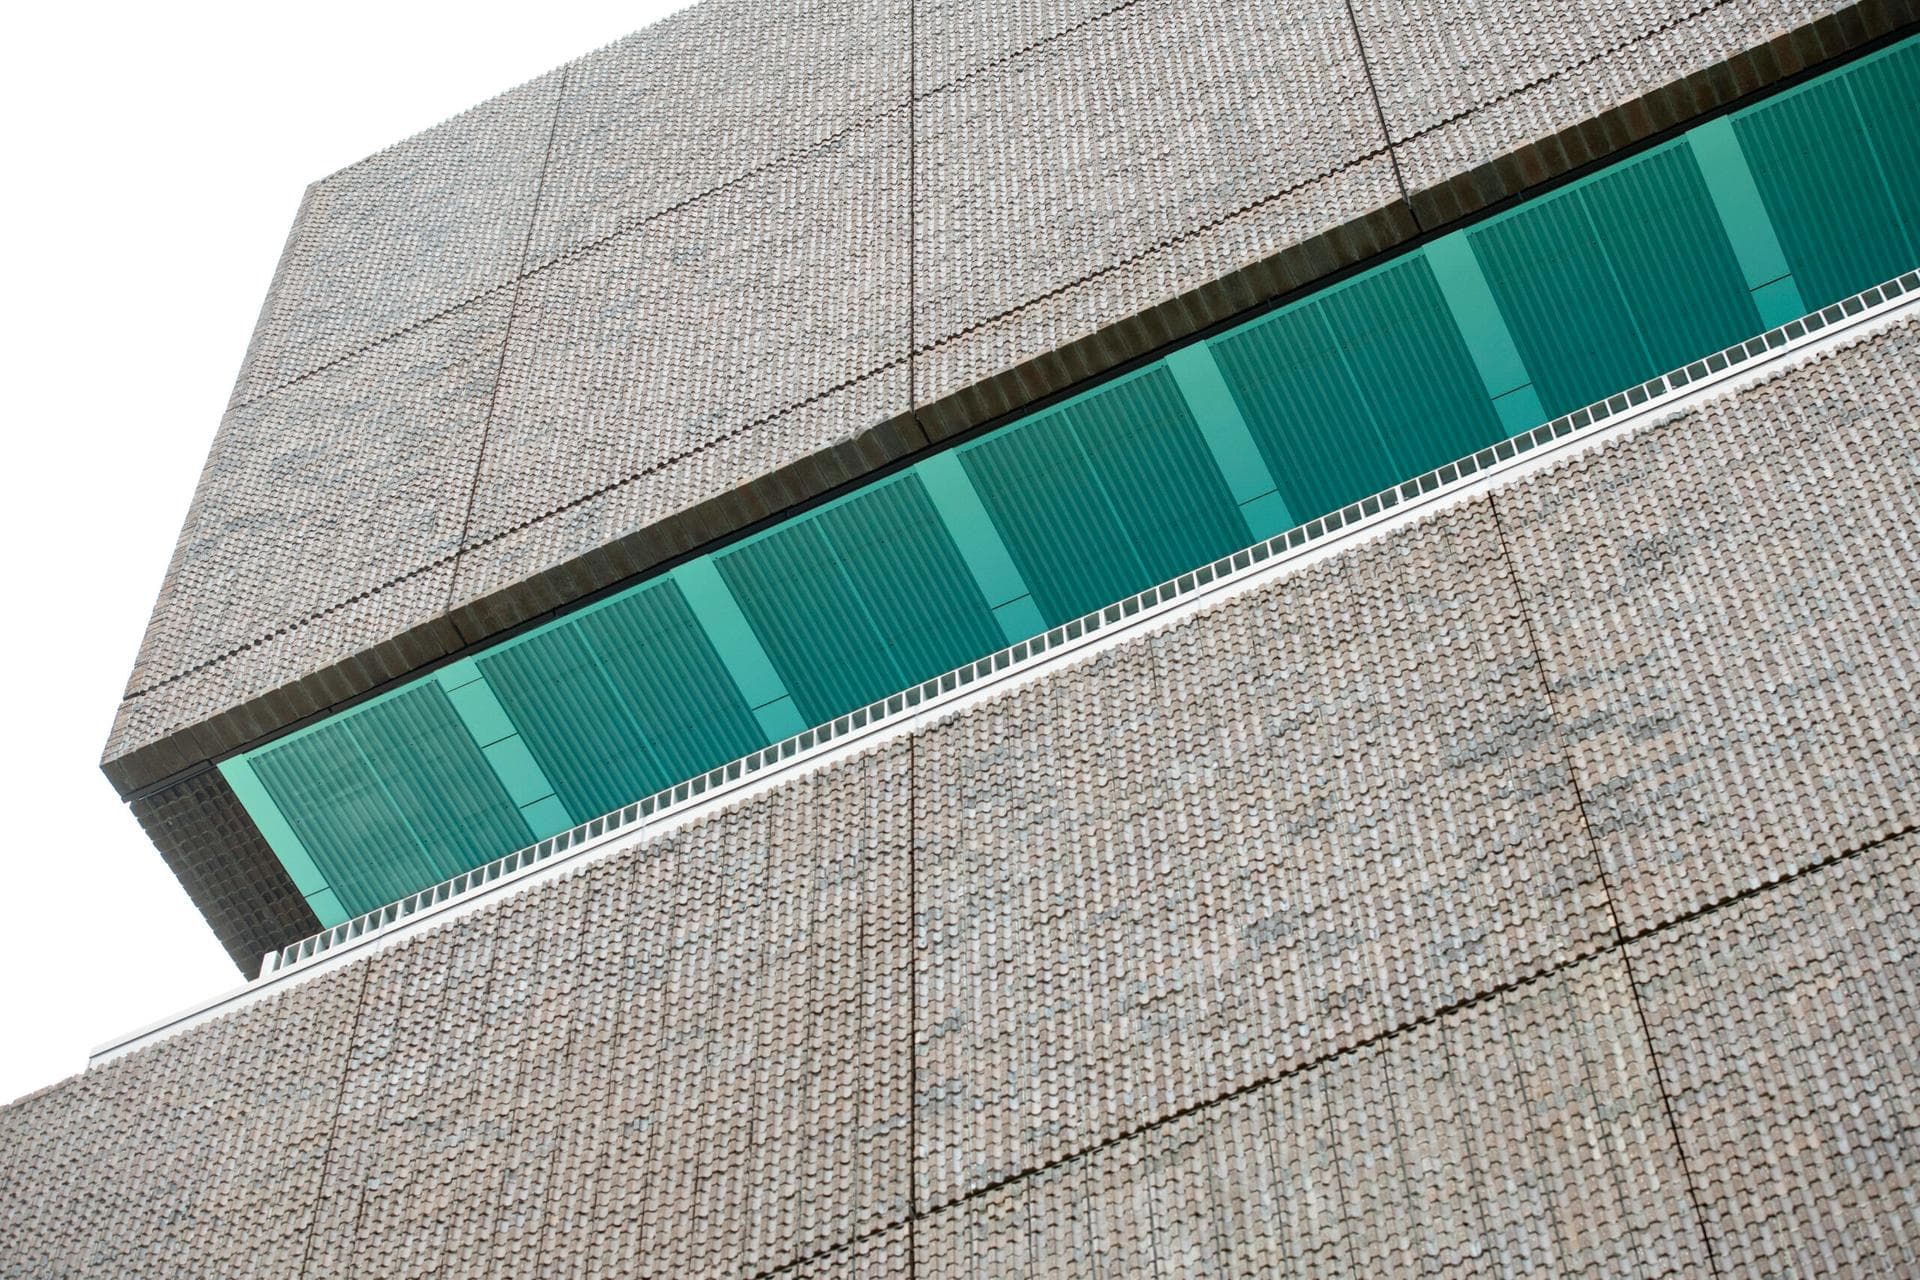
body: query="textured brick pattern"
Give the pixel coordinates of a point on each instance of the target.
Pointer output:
(704, 98)
(1274, 939)
(714, 319)
(1465, 84)
(224, 864)
(1166, 873)
(1130, 160)
(688, 1060)
(1788, 1026)
(422, 227)
(1729, 630)
(728, 290)
(337, 487)
(200, 1157)
(590, 533)
(1520, 1136)
(1506, 95)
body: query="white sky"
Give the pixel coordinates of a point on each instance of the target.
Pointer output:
(155, 155)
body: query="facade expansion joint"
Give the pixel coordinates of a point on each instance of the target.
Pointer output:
(1573, 68)
(1606, 887)
(506, 337)
(1380, 114)
(785, 160)
(1573, 959)
(477, 544)
(527, 269)
(704, 446)
(288, 628)
(333, 1129)
(1001, 60)
(373, 344)
(1163, 244)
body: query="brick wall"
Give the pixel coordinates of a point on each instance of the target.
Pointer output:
(1532, 889)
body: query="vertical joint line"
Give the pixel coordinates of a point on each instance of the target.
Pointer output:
(913, 213)
(913, 1005)
(1380, 114)
(339, 1109)
(1606, 889)
(506, 336)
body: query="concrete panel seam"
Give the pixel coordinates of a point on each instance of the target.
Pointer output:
(1600, 55)
(506, 339)
(1012, 55)
(309, 618)
(1380, 112)
(1439, 1014)
(1606, 884)
(576, 251)
(704, 447)
(1161, 246)
(339, 1108)
(349, 357)
(1760, 887)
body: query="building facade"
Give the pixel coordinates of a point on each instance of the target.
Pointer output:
(895, 639)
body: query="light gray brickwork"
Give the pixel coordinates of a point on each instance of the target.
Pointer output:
(706, 98)
(1129, 161)
(423, 227)
(1786, 1027)
(342, 485)
(1725, 738)
(1464, 83)
(1522, 1135)
(1323, 811)
(714, 322)
(1413, 914)
(732, 292)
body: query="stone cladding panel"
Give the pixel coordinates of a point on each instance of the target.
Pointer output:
(706, 97)
(708, 322)
(1321, 811)
(1521, 1135)
(423, 227)
(693, 1058)
(1464, 84)
(1786, 1026)
(1057, 190)
(333, 489)
(1726, 607)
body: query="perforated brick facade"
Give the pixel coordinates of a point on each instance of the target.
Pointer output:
(648, 299)
(1528, 890)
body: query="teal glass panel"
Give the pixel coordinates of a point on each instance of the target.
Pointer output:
(860, 599)
(1671, 259)
(391, 798)
(1886, 89)
(1306, 411)
(326, 791)
(439, 779)
(828, 657)
(1825, 189)
(1555, 286)
(924, 601)
(1105, 496)
(1150, 457)
(1425, 396)
(672, 683)
(570, 714)
(1054, 517)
